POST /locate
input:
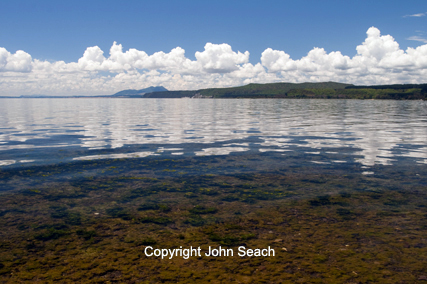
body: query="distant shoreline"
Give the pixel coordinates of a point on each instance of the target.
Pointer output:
(324, 90)
(238, 98)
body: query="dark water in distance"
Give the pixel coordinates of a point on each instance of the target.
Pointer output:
(49, 131)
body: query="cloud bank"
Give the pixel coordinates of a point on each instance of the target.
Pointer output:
(378, 60)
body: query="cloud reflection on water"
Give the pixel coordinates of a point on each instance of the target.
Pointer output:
(376, 132)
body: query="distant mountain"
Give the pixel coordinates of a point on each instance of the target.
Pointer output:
(139, 93)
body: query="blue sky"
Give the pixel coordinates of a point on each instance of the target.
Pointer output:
(56, 31)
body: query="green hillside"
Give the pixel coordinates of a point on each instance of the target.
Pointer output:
(326, 90)
(268, 90)
(274, 90)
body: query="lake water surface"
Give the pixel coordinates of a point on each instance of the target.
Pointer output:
(49, 131)
(338, 188)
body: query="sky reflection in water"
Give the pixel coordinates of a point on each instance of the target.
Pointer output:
(52, 130)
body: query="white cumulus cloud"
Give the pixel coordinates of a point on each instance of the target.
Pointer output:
(376, 46)
(220, 58)
(377, 60)
(18, 62)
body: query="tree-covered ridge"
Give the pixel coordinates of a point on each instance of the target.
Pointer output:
(275, 89)
(362, 93)
(326, 90)
(394, 87)
(248, 91)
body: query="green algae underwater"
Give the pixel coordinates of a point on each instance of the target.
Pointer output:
(90, 221)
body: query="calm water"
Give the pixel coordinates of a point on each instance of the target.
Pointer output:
(85, 184)
(48, 131)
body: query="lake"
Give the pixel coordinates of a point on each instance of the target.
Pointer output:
(49, 131)
(336, 187)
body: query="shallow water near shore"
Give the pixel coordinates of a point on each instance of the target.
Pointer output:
(337, 188)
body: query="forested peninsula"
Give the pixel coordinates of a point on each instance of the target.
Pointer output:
(326, 90)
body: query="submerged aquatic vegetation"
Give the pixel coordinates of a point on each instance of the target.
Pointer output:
(199, 209)
(325, 226)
